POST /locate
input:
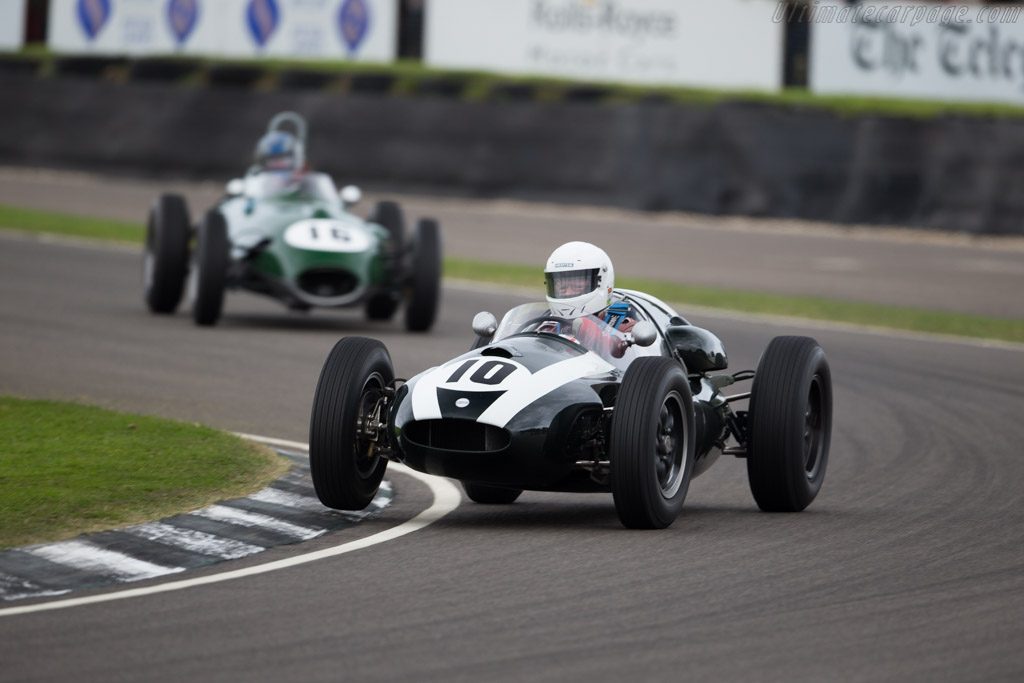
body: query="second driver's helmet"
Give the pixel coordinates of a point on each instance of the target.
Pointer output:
(579, 278)
(279, 150)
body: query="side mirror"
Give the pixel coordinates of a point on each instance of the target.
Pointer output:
(350, 195)
(235, 187)
(484, 324)
(644, 333)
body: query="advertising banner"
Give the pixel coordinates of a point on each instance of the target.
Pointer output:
(310, 29)
(12, 25)
(923, 50)
(719, 44)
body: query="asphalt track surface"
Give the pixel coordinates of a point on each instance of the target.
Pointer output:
(908, 566)
(919, 269)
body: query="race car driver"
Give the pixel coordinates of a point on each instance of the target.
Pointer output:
(279, 163)
(580, 279)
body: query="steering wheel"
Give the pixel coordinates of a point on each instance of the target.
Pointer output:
(542, 319)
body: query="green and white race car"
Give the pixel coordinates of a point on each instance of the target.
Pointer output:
(288, 233)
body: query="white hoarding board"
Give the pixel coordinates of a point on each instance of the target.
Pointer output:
(363, 30)
(718, 44)
(134, 27)
(923, 50)
(12, 24)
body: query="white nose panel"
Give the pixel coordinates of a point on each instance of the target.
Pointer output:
(320, 234)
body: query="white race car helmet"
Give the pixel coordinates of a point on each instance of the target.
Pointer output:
(579, 278)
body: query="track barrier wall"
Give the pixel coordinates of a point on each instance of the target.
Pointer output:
(950, 173)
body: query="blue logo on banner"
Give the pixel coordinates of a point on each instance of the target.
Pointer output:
(182, 16)
(263, 16)
(354, 22)
(93, 14)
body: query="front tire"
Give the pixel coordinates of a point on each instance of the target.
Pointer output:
(490, 495)
(652, 443)
(165, 261)
(345, 468)
(790, 421)
(212, 259)
(424, 289)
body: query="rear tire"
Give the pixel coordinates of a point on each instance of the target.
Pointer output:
(383, 304)
(424, 289)
(790, 422)
(212, 260)
(652, 443)
(490, 495)
(346, 471)
(165, 261)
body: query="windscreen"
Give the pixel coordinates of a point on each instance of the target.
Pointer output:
(288, 185)
(590, 332)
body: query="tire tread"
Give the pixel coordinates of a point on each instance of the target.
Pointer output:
(777, 401)
(345, 366)
(630, 476)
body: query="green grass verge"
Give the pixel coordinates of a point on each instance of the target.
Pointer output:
(66, 469)
(71, 226)
(479, 85)
(857, 313)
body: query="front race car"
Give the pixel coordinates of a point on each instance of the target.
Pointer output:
(523, 412)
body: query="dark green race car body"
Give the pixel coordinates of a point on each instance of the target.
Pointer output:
(306, 249)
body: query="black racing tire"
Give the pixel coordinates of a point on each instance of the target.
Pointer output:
(789, 424)
(211, 268)
(165, 260)
(389, 216)
(383, 304)
(423, 292)
(346, 471)
(490, 495)
(652, 443)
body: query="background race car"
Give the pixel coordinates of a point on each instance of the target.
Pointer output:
(288, 233)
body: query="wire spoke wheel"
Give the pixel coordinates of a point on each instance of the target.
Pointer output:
(671, 445)
(813, 423)
(364, 447)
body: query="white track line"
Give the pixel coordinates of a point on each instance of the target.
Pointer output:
(446, 499)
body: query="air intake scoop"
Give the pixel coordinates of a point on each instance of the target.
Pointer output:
(502, 351)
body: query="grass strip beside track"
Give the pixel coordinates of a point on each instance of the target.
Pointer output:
(852, 312)
(67, 469)
(72, 226)
(476, 85)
